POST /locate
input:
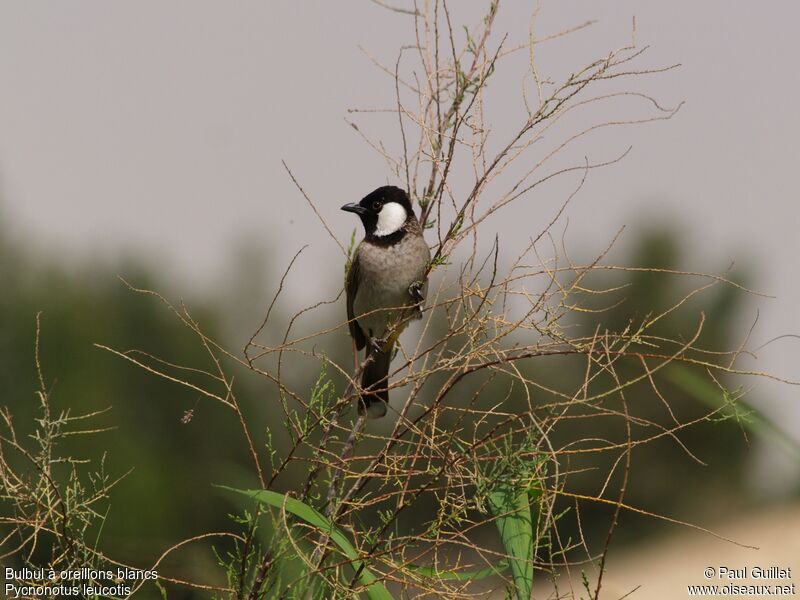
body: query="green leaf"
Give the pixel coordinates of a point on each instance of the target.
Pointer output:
(161, 589)
(716, 397)
(511, 507)
(374, 589)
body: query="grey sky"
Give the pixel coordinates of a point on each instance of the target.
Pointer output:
(158, 127)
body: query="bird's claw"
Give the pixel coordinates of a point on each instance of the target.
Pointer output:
(415, 291)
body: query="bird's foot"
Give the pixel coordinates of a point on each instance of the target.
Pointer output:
(415, 291)
(376, 344)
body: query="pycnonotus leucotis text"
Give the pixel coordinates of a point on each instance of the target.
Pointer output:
(385, 285)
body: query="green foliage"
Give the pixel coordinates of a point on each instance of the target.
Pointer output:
(732, 406)
(165, 448)
(410, 496)
(322, 398)
(56, 504)
(323, 395)
(374, 589)
(238, 563)
(137, 420)
(512, 491)
(439, 260)
(511, 506)
(161, 589)
(424, 201)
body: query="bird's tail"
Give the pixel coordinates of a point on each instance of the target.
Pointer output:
(374, 382)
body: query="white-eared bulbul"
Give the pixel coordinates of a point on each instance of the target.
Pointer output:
(385, 285)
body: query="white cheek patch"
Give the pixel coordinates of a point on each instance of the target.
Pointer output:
(391, 218)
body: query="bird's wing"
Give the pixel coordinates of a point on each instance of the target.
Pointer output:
(351, 286)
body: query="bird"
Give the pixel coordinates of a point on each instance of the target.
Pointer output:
(385, 286)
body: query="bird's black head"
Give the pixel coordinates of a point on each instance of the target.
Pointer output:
(384, 211)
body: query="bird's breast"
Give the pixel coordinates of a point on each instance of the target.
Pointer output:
(385, 274)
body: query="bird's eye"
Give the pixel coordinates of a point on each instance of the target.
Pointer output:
(376, 206)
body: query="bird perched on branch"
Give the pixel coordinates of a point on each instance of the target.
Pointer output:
(386, 285)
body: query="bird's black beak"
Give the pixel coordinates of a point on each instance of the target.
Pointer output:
(355, 208)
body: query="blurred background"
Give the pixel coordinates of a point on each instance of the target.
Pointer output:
(144, 140)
